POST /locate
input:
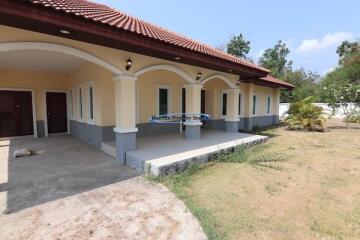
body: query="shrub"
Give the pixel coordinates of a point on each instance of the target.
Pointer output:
(353, 118)
(305, 116)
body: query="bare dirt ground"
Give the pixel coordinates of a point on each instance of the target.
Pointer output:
(314, 194)
(132, 209)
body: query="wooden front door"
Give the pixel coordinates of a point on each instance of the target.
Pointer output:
(56, 112)
(16, 113)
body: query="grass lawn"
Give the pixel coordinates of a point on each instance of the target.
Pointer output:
(296, 186)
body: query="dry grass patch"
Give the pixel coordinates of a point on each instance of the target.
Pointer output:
(297, 186)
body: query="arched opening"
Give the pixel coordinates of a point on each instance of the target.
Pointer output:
(160, 91)
(52, 47)
(220, 77)
(166, 67)
(215, 100)
(65, 87)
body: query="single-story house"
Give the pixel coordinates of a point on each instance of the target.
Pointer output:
(91, 71)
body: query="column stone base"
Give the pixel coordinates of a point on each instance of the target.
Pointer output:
(193, 131)
(232, 126)
(124, 142)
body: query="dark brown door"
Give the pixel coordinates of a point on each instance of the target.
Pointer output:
(16, 113)
(56, 112)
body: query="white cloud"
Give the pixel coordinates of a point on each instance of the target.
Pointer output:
(329, 40)
(327, 71)
(260, 53)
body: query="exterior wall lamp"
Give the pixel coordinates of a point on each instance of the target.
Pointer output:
(128, 64)
(199, 76)
(238, 83)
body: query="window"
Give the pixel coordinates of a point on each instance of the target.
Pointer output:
(254, 104)
(163, 100)
(80, 103)
(91, 101)
(239, 110)
(268, 105)
(224, 104)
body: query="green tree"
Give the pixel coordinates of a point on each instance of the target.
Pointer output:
(306, 84)
(348, 71)
(238, 46)
(275, 59)
(346, 49)
(345, 96)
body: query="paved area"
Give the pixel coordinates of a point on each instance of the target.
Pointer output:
(66, 167)
(168, 153)
(72, 191)
(150, 148)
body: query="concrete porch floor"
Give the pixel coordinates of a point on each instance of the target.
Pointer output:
(66, 167)
(170, 152)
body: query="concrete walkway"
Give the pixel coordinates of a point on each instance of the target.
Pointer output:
(132, 209)
(73, 191)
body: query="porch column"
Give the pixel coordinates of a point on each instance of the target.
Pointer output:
(275, 105)
(125, 109)
(193, 105)
(232, 117)
(248, 124)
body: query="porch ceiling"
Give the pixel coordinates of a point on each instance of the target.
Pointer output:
(37, 60)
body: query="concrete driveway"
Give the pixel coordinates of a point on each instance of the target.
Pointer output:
(73, 191)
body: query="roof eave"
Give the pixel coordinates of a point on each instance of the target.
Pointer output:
(262, 82)
(49, 21)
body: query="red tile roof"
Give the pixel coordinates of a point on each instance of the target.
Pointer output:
(272, 79)
(112, 17)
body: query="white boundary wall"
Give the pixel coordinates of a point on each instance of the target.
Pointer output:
(284, 107)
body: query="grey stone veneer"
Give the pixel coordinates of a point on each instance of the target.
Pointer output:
(192, 132)
(232, 126)
(150, 129)
(91, 134)
(124, 142)
(264, 121)
(40, 125)
(218, 124)
(179, 166)
(245, 124)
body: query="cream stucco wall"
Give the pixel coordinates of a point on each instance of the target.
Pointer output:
(148, 84)
(113, 56)
(103, 93)
(104, 86)
(37, 81)
(262, 93)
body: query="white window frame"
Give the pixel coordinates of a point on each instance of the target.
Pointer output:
(270, 105)
(241, 104)
(161, 86)
(88, 86)
(137, 100)
(80, 103)
(256, 105)
(221, 103)
(72, 103)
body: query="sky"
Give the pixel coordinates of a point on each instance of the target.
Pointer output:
(312, 29)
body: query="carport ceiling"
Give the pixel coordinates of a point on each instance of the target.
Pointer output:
(42, 61)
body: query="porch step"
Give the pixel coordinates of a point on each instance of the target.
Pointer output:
(178, 162)
(109, 148)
